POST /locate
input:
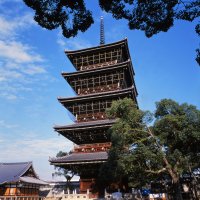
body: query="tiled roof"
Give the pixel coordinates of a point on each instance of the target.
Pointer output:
(87, 132)
(101, 95)
(91, 49)
(96, 70)
(81, 158)
(32, 180)
(89, 124)
(10, 172)
(13, 172)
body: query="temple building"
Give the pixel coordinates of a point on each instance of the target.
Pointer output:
(19, 179)
(104, 74)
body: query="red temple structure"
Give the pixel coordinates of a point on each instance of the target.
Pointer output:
(104, 74)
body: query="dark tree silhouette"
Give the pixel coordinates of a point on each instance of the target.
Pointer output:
(150, 16)
(145, 151)
(72, 16)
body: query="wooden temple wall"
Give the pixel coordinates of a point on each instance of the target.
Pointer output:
(92, 147)
(98, 80)
(15, 191)
(98, 89)
(99, 83)
(90, 111)
(98, 59)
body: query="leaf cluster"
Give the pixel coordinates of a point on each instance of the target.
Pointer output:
(149, 16)
(178, 128)
(71, 16)
(144, 153)
(60, 171)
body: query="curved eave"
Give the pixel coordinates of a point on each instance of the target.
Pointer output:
(97, 70)
(86, 132)
(71, 54)
(85, 125)
(80, 158)
(76, 163)
(102, 95)
(29, 164)
(126, 64)
(32, 180)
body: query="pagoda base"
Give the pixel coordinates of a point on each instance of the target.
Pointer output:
(87, 186)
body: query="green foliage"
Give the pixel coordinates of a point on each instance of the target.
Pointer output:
(149, 16)
(67, 173)
(169, 148)
(178, 128)
(71, 16)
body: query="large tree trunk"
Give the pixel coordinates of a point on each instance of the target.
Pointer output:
(194, 190)
(177, 191)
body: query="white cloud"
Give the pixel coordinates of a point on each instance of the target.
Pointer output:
(3, 124)
(20, 65)
(30, 148)
(33, 69)
(10, 27)
(18, 52)
(73, 43)
(9, 96)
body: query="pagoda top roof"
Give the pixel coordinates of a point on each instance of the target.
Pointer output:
(96, 70)
(73, 53)
(96, 96)
(80, 158)
(15, 172)
(85, 125)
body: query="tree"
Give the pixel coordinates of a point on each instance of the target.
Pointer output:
(167, 149)
(72, 16)
(67, 173)
(149, 16)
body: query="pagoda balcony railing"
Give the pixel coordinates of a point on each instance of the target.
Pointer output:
(98, 58)
(98, 89)
(99, 81)
(91, 117)
(92, 147)
(21, 198)
(75, 196)
(98, 65)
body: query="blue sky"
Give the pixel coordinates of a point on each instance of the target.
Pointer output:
(32, 59)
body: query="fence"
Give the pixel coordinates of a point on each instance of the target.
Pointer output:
(21, 198)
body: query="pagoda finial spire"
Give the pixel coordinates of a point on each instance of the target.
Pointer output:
(102, 38)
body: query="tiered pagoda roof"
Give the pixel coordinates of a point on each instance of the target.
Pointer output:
(93, 75)
(82, 158)
(77, 59)
(104, 74)
(87, 132)
(130, 92)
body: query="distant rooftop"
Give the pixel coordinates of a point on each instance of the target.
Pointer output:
(14, 172)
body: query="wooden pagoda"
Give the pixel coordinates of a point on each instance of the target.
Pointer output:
(104, 73)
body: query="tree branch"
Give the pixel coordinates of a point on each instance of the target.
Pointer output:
(168, 166)
(156, 172)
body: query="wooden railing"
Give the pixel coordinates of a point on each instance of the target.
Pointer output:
(97, 65)
(91, 117)
(21, 198)
(75, 196)
(98, 89)
(92, 147)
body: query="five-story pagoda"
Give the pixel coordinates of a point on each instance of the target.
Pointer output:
(104, 73)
